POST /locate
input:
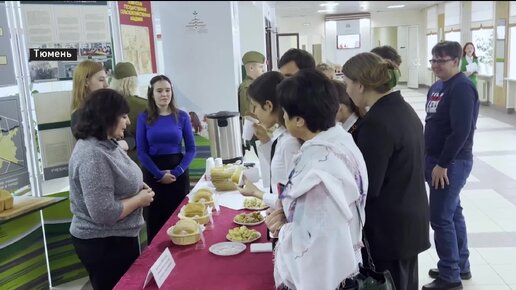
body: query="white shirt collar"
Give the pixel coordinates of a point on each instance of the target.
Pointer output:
(349, 122)
(278, 132)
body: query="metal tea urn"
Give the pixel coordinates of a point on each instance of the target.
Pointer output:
(225, 135)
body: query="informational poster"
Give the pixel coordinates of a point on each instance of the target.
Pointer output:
(14, 173)
(137, 35)
(7, 75)
(81, 25)
(55, 136)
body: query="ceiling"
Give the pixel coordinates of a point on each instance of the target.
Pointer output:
(310, 8)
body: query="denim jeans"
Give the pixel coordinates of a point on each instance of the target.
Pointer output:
(447, 221)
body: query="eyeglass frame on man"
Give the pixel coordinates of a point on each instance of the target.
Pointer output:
(440, 61)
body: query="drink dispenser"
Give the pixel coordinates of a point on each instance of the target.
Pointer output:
(225, 135)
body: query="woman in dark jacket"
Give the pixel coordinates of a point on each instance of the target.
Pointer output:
(390, 137)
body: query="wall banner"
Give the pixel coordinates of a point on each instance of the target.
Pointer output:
(137, 35)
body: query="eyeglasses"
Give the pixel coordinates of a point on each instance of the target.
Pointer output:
(440, 61)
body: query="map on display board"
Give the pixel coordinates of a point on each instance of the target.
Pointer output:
(13, 164)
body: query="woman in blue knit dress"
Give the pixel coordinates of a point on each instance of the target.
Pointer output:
(160, 131)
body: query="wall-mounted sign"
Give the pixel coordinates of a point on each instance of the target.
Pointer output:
(137, 35)
(196, 24)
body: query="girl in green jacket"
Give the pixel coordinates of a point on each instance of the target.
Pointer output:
(469, 64)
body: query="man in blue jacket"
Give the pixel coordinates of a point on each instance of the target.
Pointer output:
(452, 111)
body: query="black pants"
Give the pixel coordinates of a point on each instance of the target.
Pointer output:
(404, 272)
(106, 259)
(167, 196)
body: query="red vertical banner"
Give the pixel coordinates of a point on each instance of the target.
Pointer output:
(137, 35)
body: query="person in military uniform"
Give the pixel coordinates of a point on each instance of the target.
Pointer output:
(125, 81)
(254, 67)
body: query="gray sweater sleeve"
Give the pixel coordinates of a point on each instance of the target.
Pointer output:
(98, 186)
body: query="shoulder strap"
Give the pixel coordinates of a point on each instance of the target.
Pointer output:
(273, 150)
(364, 239)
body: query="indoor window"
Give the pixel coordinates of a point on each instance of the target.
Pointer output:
(512, 57)
(483, 39)
(452, 36)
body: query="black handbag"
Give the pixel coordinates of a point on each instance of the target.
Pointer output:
(368, 278)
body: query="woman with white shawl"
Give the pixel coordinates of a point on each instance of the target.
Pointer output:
(318, 220)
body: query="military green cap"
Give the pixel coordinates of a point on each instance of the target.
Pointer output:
(124, 70)
(253, 56)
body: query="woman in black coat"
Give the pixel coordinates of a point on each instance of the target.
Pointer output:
(390, 136)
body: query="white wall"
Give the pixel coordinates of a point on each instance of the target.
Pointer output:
(312, 33)
(204, 67)
(384, 36)
(402, 18)
(252, 26)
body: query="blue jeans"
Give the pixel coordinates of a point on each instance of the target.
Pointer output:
(451, 241)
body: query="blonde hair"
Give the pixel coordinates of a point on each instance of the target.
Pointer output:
(372, 71)
(83, 71)
(127, 86)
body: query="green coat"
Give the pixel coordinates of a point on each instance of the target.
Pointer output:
(473, 76)
(136, 106)
(243, 99)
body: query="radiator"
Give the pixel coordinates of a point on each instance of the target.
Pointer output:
(483, 88)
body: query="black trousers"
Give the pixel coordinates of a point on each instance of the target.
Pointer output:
(404, 272)
(106, 259)
(167, 196)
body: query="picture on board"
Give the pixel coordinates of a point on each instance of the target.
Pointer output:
(345, 41)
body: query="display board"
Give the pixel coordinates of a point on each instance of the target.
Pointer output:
(14, 173)
(7, 74)
(55, 136)
(82, 25)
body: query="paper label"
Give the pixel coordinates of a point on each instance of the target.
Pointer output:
(161, 268)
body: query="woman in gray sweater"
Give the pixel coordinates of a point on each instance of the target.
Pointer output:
(107, 192)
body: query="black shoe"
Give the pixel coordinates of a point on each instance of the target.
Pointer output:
(434, 273)
(439, 284)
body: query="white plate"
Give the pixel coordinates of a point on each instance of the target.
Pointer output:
(254, 208)
(257, 208)
(248, 224)
(227, 248)
(245, 242)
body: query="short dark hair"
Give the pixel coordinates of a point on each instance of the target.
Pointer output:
(263, 89)
(311, 95)
(344, 98)
(302, 58)
(388, 52)
(100, 113)
(452, 49)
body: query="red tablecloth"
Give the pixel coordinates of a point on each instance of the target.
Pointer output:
(200, 269)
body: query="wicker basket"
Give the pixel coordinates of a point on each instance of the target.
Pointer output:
(209, 203)
(202, 220)
(186, 238)
(183, 240)
(6, 200)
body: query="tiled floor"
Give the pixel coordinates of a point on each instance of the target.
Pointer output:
(489, 201)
